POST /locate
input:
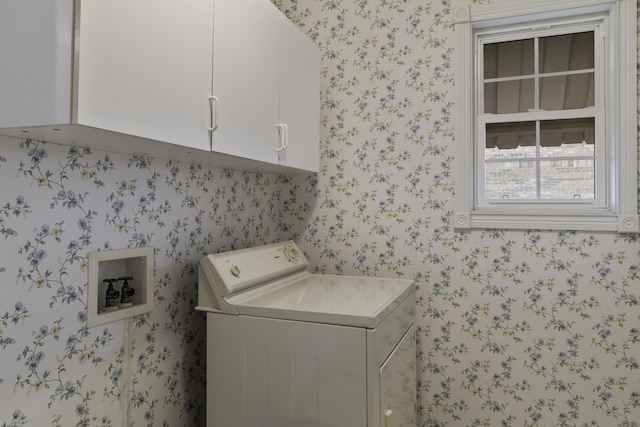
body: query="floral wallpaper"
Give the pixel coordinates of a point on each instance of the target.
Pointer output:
(515, 328)
(57, 204)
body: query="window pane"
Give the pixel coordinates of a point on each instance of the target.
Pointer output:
(566, 92)
(562, 167)
(510, 140)
(510, 180)
(508, 59)
(513, 96)
(570, 52)
(567, 138)
(567, 179)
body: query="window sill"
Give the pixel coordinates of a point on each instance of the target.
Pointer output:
(547, 221)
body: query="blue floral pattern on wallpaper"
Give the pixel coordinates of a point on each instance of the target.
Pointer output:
(59, 203)
(515, 328)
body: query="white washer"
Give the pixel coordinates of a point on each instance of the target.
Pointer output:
(288, 348)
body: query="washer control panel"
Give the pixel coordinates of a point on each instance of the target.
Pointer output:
(244, 268)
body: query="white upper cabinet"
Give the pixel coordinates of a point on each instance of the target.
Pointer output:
(145, 68)
(155, 77)
(245, 78)
(299, 96)
(267, 85)
(36, 47)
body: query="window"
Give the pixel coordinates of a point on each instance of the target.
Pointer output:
(546, 130)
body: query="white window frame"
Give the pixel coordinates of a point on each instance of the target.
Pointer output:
(618, 211)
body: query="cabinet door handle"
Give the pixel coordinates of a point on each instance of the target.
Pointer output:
(388, 422)
(213, 111)
(283, 133)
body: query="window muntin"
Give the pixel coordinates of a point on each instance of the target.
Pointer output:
(539, 136)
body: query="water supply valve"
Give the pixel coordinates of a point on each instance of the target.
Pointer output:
(126, 292)
(111, 295)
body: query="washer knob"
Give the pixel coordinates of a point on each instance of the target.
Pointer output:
(235, 271)
(291, 254)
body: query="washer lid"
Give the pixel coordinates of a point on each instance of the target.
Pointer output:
(339, 300)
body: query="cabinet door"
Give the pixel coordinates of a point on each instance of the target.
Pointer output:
(35, 46)
(144, 68)
(245, 79)
(299, 97)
